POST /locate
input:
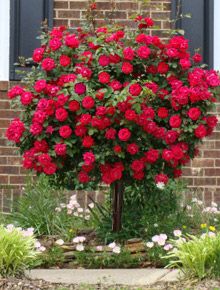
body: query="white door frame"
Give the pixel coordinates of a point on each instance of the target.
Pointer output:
(5, 39)
(217, 34)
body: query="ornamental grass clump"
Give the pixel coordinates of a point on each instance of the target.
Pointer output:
(18, 250)
(113, 106)
(197, 257)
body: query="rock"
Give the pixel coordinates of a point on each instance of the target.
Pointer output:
(135, 247)
(134, 240)
(68, 247)
(69, 255)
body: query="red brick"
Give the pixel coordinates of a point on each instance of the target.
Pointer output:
(8, 114)
(4, 123)
(79, 5)
(3, 85)
(68, 14)
(59, 22)
(211, 153)
(116, 15)
(203, 163)
(3, 180)
(4, 105)
(60, 4)
(9, 170)
(126, 6)
(17, 179)
(3, 95)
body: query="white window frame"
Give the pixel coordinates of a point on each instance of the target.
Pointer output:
(217, 35)
(5, 39)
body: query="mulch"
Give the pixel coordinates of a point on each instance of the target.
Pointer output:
(26, 284)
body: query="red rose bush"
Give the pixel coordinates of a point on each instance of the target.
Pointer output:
(110, 105)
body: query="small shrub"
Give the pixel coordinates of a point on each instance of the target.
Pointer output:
(17, 250)
(197, 257)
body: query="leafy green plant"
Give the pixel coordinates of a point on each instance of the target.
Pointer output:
(53, 257)
(197, 257)
(90, 259)
(143, 212)
(37, 209)
(17, 251)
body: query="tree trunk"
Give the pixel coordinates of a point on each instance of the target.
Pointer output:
(117, 204)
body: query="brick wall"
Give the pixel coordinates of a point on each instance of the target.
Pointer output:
(203, 174)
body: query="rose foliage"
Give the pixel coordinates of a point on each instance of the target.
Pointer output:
(113, 105)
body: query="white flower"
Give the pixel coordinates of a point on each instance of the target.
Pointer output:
(211, 234)
(99, 248)
(91, 205)
(168, 247)
(37, 244)
(42, 249)
(10, 227)
(194, 199)
(163, 236)
(177, 233)
(73, 197)
(69, 211)
(188, 207)
(58, 209)
(155, 238)
(79, 239)
(214, 204)
(80, 247)
(150, 244)
(116, 250)
(87, 217)
(80, 209)
(160, 239)
(76, 240)
(62, 205)
(156, 225)
(160, 185)
(75, 213)
(59, 242)
(112, 245)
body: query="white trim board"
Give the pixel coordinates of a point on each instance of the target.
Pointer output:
(217, 34)
(5, 39)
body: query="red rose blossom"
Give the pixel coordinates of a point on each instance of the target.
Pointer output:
(60, 149)
(89, 158)
(124, 134)
(200, 132)
(104, 77)
(88, 102)
(194, 113)
(135, 89)
(48, 64)
(175, 121)
(65, 131)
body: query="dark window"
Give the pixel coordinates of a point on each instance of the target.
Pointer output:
(199, 28)
(26, 18)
